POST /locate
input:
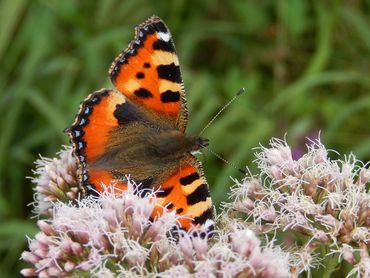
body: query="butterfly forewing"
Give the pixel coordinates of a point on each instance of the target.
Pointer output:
(148, 73)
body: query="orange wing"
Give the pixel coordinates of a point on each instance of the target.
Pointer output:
(90, 135)
(148, 73)
(187, 193)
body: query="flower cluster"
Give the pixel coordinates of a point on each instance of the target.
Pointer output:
(56, 180)
(315, 207)
(314, 200)
(97, 234)
(114, 236)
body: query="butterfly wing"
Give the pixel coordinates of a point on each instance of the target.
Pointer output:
(148, 73)
(187, 192)
(99, 116)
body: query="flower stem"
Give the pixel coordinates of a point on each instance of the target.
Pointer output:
(330, 265)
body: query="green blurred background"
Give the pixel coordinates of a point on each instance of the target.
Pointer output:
(305, 66)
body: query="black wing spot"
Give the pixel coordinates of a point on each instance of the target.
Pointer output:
(143, 93)
(163, 45)
(164, 192)
(144, 187)
(149, 29)
(146, 65)
(170, 96)
(140, 75)
(180, 210)
(208, 214)
(198, 195)
(159, 26)
(169, 72)
(126, 113)
(189, 179)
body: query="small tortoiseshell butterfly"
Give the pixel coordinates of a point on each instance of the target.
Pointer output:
(140, 130)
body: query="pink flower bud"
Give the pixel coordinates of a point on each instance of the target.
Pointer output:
(102, 242)
(46, 228)
(200, 247)
(43, 188)
(248, 204)
(364, 214)
(28, 272)
(347, 252)
(244, 242)
(110, 216)
(50, 199)
(363, 177)
(44, 274)
(70, 180)
(30, 257)
(77, 249)
(69, 266)
(321, 236)
(269, 214)
(41, 252)
(55, 272)
(71, 195)
(35, 245)
(186, 246)
(82, 236)
(61, 183)
(136, 259)
(276, 173)
(84, 266)
(66, 246)
(138, 224)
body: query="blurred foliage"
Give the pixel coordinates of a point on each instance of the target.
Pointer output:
(304, 64)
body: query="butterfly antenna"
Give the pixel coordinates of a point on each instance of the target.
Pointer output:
(241, 91)
(224, 160)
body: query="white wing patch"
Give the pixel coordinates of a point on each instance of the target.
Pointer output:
(163, 36)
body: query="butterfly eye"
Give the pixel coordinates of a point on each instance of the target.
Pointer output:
(204, 142)
(200, 142)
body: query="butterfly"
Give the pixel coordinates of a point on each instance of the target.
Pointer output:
(139, 130)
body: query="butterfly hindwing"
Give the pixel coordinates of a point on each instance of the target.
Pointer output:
(187, 192)
(148, 73)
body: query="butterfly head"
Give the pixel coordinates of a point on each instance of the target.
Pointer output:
(198, 143)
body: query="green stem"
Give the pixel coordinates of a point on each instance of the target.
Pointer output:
(330, 265)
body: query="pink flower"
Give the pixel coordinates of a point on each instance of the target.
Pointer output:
(322, 200)
(95, 232)
(98, 237)
(113, 235)
(56, 180)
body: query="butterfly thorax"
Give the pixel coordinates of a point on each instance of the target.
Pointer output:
(174, 144)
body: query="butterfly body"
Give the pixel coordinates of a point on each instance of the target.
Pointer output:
(144, 149)
(140, 130)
